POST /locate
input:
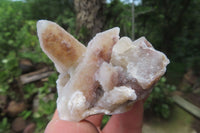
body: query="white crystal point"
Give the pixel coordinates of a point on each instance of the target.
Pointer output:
(122, 45)
(106, 77)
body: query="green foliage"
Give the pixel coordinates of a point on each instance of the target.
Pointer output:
(17, 40)
(49, 9)
(29, 90)
(44, 113)
(67, 21)
(46, 102)
(10, 23)
(160, 100)
(9, 70)
(194, 64)
(52, 80)
(25, 114)
(105, 120)
(175, 72)
(116, 19)
(5, 125)
(28, 43)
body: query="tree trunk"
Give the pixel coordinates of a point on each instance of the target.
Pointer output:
(89, 15)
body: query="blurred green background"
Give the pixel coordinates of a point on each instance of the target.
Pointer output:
(171, 26)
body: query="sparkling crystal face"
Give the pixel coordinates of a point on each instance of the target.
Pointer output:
(107, 76)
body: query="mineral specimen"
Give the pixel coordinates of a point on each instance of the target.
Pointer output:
(106, 77)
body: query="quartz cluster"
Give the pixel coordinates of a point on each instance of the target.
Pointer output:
(106, 77)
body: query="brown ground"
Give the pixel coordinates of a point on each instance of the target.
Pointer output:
(180, 122)
(196, 125)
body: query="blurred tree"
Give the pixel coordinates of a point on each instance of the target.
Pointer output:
(166, 22)
(89, 15)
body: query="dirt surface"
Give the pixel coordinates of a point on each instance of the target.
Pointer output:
(196, 125)
(180, 122)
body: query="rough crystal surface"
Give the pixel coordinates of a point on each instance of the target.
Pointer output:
(107, 76)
